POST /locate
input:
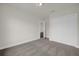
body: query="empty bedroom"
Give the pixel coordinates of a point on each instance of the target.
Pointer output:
(39, 29)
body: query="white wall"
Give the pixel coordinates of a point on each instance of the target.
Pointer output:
(78, 31)
(63, 29)
(46, 20)
(18, 27)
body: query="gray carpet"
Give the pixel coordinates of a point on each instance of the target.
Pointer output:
(41, 47)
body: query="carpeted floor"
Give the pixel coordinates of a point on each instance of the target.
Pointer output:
(41, 47)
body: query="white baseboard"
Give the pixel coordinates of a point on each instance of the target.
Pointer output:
(18, 43)
(77, 46)
(12, 45)
(66, 44)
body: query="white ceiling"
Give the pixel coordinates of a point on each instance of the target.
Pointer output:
(46, 9)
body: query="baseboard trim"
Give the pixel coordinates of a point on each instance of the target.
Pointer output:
(18, 43)
(77, 46)
(65, 43)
